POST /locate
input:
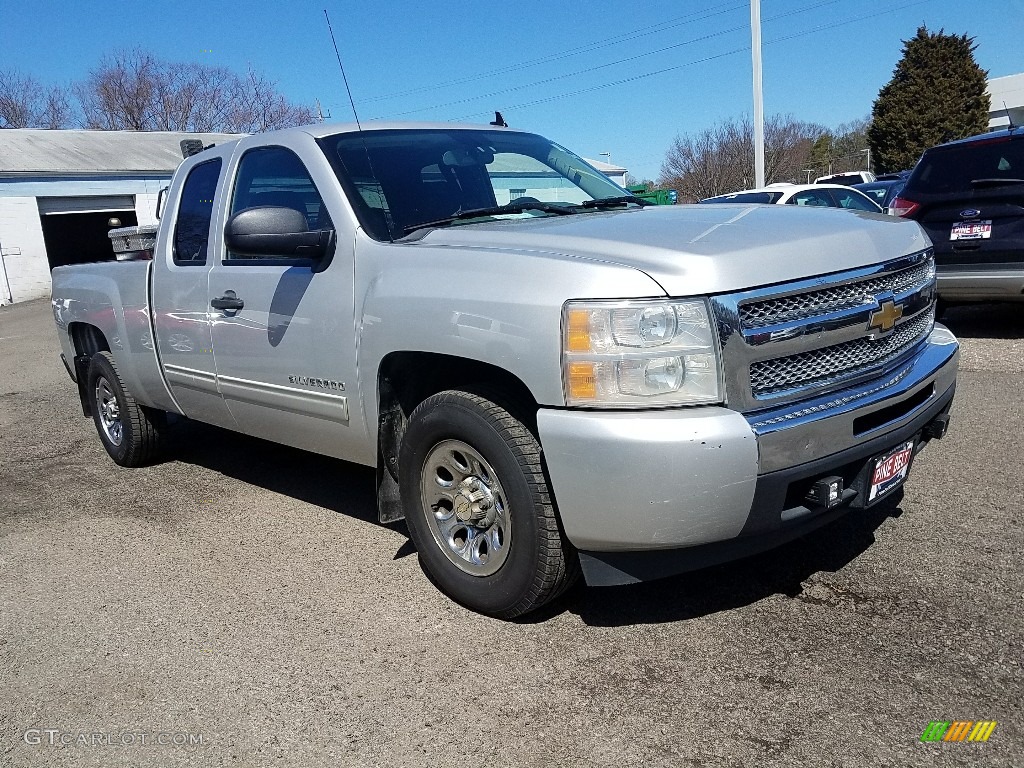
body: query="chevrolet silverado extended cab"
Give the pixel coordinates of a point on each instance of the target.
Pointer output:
(549, 376)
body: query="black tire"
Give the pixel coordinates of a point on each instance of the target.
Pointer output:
(536, 562)
(130, 432)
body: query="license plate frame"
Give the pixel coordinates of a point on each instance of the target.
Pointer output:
(971, 230)
(889, 471)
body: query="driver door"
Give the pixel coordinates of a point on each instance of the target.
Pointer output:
(283, 331)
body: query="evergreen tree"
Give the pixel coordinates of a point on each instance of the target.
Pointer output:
(937, 94)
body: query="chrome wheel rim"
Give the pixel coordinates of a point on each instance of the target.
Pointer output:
(465, 507)
(109, 412)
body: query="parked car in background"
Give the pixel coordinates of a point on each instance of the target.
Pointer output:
(969, 197)
(895, 175)
(882, 191)
(848, 178)
(811, 195)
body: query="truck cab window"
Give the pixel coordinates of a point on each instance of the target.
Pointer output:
(275, 176)
(192, 228)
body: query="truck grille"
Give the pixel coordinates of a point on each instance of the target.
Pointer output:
(823, 366)
(792, 341)
(804, 305)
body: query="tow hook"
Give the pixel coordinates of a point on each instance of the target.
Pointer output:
(936, 428)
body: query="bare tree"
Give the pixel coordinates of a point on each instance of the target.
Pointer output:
(133, 90)
(720, 159)
(26, 103)
(261, 108)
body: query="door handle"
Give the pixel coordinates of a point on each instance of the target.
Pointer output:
(228, 301)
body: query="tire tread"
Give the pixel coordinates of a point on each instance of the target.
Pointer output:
(143, 424)
(558, 565)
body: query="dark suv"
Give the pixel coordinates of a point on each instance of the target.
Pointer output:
(969, 197)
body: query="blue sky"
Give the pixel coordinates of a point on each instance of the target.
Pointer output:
(617, 76)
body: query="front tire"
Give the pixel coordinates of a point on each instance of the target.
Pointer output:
(130, 432)
(479, 509)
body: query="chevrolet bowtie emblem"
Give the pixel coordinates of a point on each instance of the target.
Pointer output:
(884, 319)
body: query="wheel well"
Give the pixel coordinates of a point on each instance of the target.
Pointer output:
(406, 379)
(87, 339)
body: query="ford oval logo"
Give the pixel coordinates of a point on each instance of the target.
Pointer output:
(969, 213)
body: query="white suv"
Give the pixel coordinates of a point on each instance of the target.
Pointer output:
(847, 178)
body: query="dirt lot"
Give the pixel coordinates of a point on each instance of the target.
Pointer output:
(241, 602)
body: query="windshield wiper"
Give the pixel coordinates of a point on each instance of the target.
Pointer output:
(497, 210)
(610, 202)
(995, 182)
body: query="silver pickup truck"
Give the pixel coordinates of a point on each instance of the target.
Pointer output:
(550, 376)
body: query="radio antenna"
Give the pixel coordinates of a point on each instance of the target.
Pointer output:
(343, 75)
(1009, 117)
(366, 149)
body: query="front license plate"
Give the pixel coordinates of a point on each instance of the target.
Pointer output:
(971, 230)
(890, 471)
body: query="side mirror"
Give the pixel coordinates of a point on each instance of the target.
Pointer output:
(274, 231)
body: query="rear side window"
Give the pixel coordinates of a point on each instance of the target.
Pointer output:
(192, 227)
(746, 197)
(812, 197)
(851, 199)
(956, 168)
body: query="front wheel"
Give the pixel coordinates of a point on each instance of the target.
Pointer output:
(478, 506)
(130, 432)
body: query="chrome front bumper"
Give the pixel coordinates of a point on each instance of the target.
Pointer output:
(633, 482)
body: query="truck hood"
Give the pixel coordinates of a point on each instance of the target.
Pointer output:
(703, 249)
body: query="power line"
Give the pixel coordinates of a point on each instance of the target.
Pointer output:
(555, 78)
(676, 67)
(593, 46)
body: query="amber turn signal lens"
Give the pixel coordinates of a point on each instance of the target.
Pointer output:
(577, 337)
(582, 381)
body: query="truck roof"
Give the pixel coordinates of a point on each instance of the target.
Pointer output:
(319, 130)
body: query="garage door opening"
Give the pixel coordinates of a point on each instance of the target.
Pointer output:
(80, 238)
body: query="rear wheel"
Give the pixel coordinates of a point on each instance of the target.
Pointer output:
(478, 506)
(130, 432)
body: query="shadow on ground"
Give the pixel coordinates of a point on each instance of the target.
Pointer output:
(350, 489)
(986, 321)
(732, 585)
(337, 485)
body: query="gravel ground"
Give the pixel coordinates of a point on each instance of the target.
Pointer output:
(242, 597)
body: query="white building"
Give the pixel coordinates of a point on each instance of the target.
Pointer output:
(614, 172)
(1006, 105)
(58, 189)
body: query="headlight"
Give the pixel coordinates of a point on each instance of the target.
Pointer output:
(639, 354)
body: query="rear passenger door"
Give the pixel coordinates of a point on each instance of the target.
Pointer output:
(181, 312)
(286, 358)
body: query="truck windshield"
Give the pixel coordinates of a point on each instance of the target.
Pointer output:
(397, 180)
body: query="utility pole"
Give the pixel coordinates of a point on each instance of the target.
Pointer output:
(6, 297)
(755, 35)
